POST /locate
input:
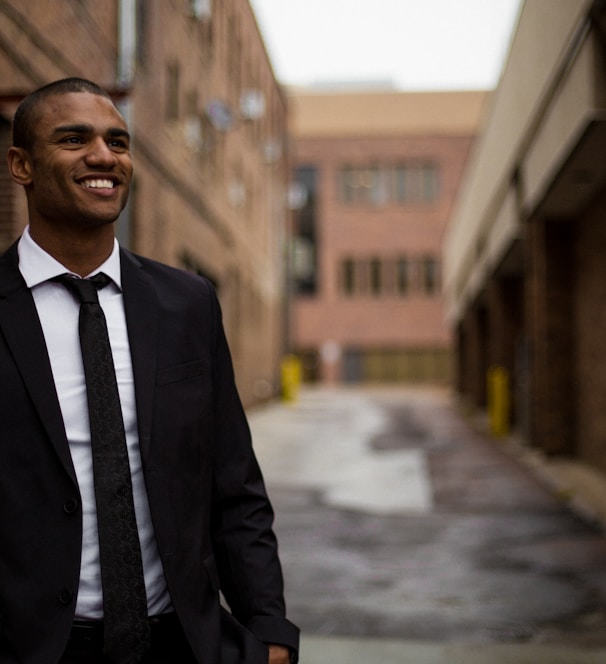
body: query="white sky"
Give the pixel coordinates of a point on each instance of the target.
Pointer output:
(415, 44)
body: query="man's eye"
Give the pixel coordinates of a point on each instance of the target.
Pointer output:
(117, 143)
(76, 140)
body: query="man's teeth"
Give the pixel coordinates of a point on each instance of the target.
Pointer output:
(98, 184)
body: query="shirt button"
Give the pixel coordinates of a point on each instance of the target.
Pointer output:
(70, 506)
(65, 596)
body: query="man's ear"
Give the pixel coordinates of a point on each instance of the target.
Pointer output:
(20, 165)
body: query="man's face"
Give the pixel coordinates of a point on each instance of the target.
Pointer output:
(80, 162)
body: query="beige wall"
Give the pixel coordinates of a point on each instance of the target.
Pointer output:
(216, 204)
(48, 40)
(539, 105)
(525, 268)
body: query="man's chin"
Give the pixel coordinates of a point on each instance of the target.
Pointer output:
(98, 218)
(94, 223)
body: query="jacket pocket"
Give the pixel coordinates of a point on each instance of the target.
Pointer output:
(180, 372)
(238, 645)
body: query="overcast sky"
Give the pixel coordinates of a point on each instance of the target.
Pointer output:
(414, 44)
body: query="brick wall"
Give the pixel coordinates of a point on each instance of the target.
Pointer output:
(408, 324)
(7, 221)
(589, 349)
(549, 309)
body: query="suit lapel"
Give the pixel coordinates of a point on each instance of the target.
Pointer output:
(141, 307)
(21, 328)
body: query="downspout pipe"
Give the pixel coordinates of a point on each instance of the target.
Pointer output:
(127, 47)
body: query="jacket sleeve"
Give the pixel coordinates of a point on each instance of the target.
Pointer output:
(242, 517)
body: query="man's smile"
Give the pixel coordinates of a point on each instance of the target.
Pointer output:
(97, 183)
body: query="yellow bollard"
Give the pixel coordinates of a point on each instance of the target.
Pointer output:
(498, 401)
(291, 377)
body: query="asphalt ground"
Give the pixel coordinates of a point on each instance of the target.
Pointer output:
(408, 535)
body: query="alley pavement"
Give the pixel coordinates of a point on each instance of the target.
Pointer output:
(408, 535)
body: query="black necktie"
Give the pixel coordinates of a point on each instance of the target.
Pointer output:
(125, 623)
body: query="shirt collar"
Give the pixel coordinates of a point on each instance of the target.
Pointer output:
(38, 266)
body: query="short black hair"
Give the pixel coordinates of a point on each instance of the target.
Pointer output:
(25, 115)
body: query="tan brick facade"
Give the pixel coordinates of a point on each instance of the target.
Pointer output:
(377, 311)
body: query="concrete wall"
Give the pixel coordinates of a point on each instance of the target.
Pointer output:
(486, 219)
(526, 243)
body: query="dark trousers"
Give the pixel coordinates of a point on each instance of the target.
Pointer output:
(168, 644)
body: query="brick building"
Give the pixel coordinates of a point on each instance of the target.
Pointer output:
(380, 171)
(525, 274)
(209, 123)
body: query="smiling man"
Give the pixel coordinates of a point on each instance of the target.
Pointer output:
(130, 496)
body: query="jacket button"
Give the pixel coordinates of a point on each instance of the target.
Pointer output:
(65, 596)
(70, 506)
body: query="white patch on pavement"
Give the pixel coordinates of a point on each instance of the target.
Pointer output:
(322, 443)
(388, 482)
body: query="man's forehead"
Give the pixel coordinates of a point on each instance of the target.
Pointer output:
(80, 108)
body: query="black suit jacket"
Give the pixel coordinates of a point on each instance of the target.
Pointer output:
(211, 515)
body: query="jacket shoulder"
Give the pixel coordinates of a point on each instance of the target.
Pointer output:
(167, 276)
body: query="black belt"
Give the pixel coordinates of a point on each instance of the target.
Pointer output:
(88, 634)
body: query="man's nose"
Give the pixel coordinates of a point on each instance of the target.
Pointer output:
(100, 154)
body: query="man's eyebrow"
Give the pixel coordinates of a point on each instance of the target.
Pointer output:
(73, 128)
(117, 132)
(114, 132)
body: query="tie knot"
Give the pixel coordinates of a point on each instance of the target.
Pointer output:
(84, 289)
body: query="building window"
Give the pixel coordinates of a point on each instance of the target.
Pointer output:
(363, 276)
(172, 92)
(142, 20)
(416, 183)
(348, 276)
(355, 181)
(402, 276)
(376, 281)
(429, 188)
(305, 248)
(402, 184)
(377, 186)
(430, 275)
(364, 185)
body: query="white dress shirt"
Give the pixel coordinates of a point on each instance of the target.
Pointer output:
(58, 311)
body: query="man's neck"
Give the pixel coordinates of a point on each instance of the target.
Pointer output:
(81, 253)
